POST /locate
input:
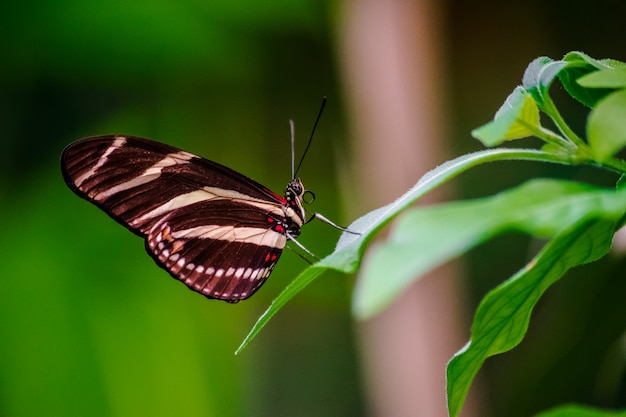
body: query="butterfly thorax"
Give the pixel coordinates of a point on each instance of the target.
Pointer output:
(294, 211)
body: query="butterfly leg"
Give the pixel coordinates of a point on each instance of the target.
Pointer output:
(330, 222)
(301, 246)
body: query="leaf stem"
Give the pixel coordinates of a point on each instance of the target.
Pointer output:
(550, 137)
(550, 109)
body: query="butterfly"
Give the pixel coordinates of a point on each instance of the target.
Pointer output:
(214, 229)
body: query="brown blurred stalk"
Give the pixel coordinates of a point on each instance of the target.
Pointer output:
(391, 54)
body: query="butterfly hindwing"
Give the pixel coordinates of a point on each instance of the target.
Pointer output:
(214, 229)
(221, 256)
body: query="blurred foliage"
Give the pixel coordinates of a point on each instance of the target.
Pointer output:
(88, 324)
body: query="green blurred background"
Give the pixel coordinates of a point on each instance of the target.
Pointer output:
(89, 325)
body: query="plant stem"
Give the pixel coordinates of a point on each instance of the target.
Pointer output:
(550, 109)
(550, 137)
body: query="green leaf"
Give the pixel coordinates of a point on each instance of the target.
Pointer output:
(294, 287)
(607, 78)
(517, 118)
(503, 315)
(350, 247)
(581, 58)
(578, 66)
(539, 76)
(427, 237)
(606, 126)
(541, 73)
(572, 410)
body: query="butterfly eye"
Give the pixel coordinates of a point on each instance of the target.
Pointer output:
(295, 187)
(308, 197)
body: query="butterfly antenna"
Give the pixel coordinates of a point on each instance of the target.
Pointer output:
(293, 150)
(319, 115)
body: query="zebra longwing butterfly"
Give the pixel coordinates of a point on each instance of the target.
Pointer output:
(217, 231)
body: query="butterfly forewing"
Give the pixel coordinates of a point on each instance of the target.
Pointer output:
(214, 229)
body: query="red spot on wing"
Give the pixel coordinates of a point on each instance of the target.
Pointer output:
(277, 197)
(271, 257)
(277, 227)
